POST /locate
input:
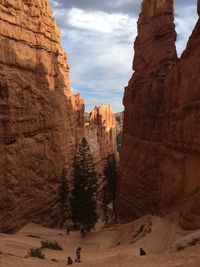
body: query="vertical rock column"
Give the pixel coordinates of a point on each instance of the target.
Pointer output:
(160, 163)
(181, 134)
(155, 54)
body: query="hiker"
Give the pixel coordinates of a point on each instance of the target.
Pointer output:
(78, 255)
(82, 232)
(67, 230)
(69, 261)
(142, 252)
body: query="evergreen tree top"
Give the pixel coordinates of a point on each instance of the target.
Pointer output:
(85, 187)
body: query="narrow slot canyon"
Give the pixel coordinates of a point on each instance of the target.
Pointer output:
(92, 174)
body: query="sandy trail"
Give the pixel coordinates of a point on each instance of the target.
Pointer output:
(114, 247)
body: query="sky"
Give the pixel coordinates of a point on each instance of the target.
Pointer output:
(98, 37)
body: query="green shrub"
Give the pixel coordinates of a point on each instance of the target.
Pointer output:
(179, 247)
(193, 242)
(54, 260)
(36, 252)
(141, 229)
(51, 245)
(148, 231)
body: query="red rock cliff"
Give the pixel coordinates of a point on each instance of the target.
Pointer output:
(38, 114)
(160, 163)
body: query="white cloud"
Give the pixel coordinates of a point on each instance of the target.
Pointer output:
(185, 20)
(97, 21)
(101, 49)
(100, 45)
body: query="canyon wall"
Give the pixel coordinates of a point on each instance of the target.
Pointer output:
(160, 161)
(38, 114)
(119, 128)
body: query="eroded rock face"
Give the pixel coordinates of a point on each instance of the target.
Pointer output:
(38, 114)
(160, 163)
(100, 132)
(182, 127)
(103, 117)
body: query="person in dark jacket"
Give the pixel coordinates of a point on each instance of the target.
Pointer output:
(82, 232)
(69, 261)
(67, 230)
(142, 252)
(78, 255)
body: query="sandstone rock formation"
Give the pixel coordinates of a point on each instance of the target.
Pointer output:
(38, 114)
(104, 119)
(100, 132)
(160, 167)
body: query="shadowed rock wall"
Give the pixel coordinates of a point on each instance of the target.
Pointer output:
(160, 161)
(38, 114)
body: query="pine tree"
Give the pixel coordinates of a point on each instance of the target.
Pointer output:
(84, 189)
(110, 172)
(64, 199)
(105, 203)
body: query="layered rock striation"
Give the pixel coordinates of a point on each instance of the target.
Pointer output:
(160, 170)
(38, 114)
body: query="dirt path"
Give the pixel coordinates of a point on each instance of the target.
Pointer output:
(115, 247)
